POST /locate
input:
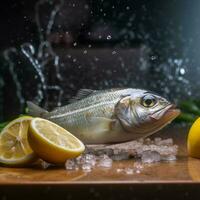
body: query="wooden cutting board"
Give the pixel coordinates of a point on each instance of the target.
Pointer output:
(184, 170)
(164, 180)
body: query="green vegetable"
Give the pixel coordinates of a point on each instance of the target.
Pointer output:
(197, 102)
(190, 107)
(186, 117)
(2, 125)
(190, 111)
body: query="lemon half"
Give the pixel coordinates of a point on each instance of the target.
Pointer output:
(53, 143)
(14, 146)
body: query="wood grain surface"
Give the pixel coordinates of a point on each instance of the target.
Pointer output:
(184, 170)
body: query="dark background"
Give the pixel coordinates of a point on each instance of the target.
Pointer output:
(129, 43)
(156, 23)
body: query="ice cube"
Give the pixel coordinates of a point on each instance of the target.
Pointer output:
(147, 150)
(150, 157)
(128, 170)
(86, 167)
(138, 165)
(169, 158)
(45, 164)
(105, 161)
(167, 142)
(157, 140)
(147, 141)
(102, 156)
(168, 150)
(90, 160)
(70, 164)
(79, 159)
(122, 155)
(89, 156)
(116, 151)
(141, 140)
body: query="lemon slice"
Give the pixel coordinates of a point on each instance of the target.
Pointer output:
(52, 143)
(193, 140)
(14, 146)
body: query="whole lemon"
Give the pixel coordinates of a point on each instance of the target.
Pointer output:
(193, 140)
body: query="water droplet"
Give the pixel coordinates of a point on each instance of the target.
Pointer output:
(86, 7)
(96, 59)
(153, 57)
(114, 52)
(109, 37)
(182, 71)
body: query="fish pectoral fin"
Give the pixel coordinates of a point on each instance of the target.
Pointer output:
(101, 124)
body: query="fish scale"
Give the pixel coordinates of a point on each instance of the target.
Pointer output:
(95, 98)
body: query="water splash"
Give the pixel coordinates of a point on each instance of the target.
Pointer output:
(11, 64)
(42, 60)
(171, 77)
(29, 51)
(167, 77)
(45, 31)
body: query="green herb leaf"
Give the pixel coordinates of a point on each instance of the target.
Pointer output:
(2, 125)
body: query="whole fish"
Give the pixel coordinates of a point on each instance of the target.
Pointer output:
(110, 116)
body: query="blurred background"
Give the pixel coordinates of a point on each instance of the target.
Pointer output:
(49, 49)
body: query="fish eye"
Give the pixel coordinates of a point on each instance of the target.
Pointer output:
(148, 101)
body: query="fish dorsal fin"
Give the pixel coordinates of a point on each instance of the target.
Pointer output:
(82, 93)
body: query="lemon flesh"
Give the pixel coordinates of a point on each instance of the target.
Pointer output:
(14, 146)
(193, 140)
(52, 143)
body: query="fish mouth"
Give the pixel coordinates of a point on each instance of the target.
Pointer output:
(167, 114)
(160, 119)
(171, 114)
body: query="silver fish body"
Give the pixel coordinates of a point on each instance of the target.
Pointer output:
(109, 116)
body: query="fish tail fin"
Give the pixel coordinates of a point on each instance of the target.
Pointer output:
(36, 111)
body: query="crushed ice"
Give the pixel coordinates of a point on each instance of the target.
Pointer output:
(45, 164)
(105, 161)
(144, 151)
(87, 162)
